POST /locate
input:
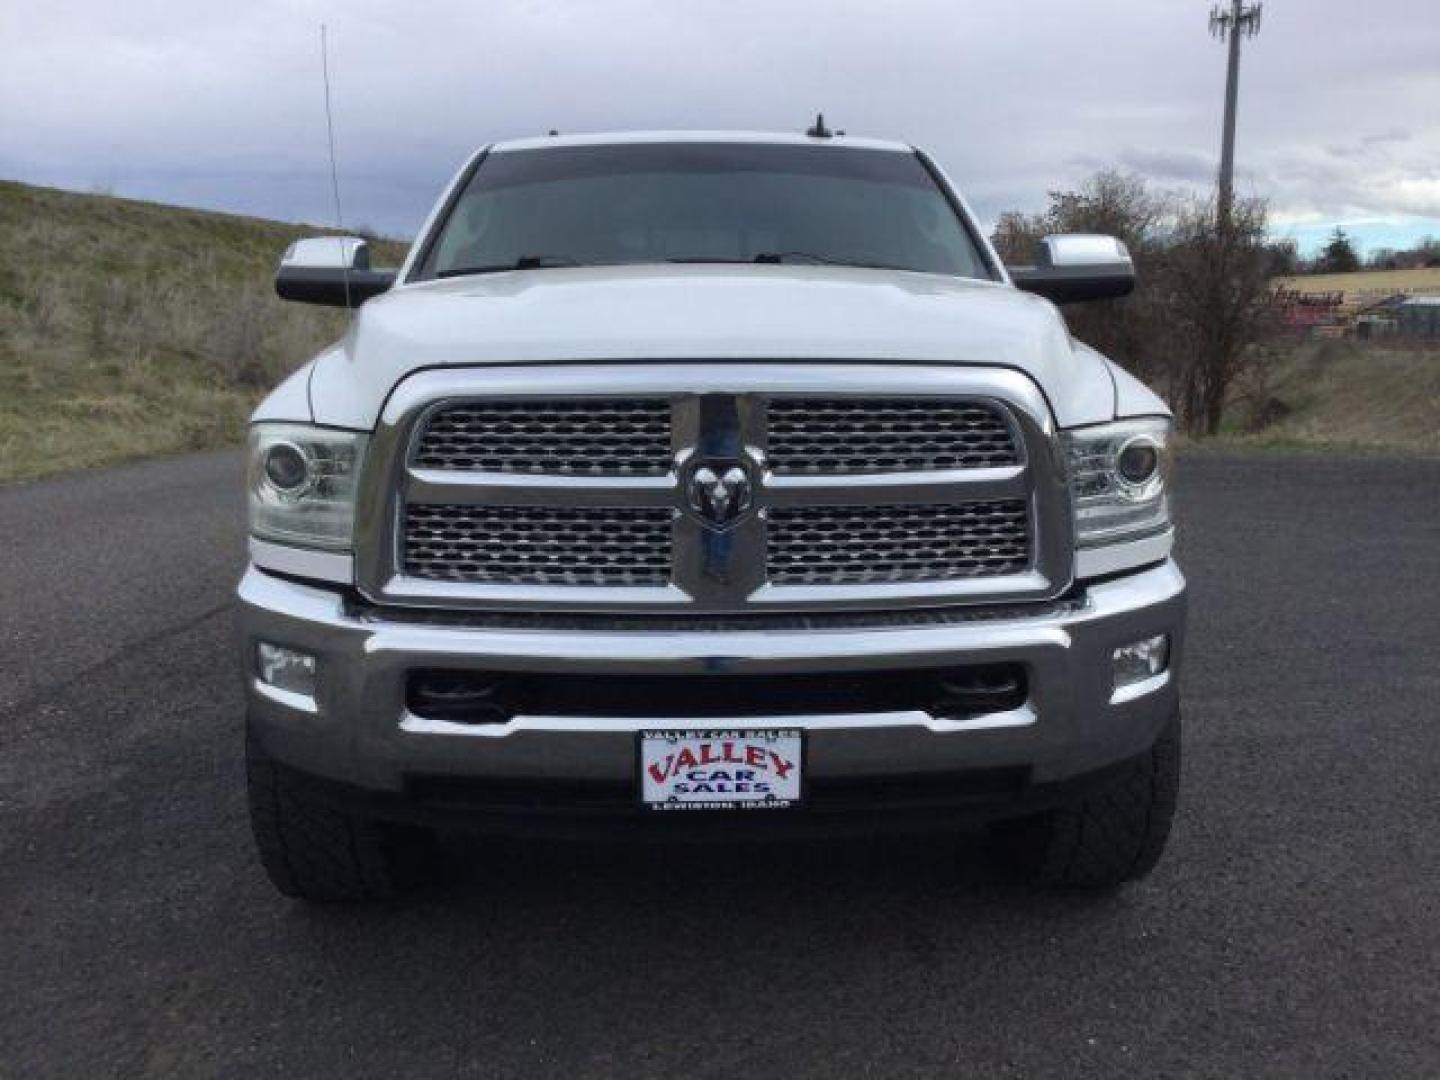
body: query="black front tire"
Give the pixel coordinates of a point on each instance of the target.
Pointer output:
(1115, 834)
(313, 849)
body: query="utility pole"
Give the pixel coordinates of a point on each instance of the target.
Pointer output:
(1230, 26)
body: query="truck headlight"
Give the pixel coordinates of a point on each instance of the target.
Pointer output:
(302, 482)
(1117, 474)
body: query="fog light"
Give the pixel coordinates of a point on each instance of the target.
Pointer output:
(1140, 661)
(286, 669)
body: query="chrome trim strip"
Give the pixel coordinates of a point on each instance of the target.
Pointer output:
(334, 566)
(723, 651)
(584, 725)
(555, 596)
(670, 378)
(1112, 558)
(519, 489)
(876, 489)
(712, 571)
(1132, 691)
(321, 613)
(289, 698)
(955, 588)
(1003, 478)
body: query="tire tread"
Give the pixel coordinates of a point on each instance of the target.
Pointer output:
(311, 850)
(1113, 835)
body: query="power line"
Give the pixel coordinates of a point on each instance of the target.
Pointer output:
(1239, 21)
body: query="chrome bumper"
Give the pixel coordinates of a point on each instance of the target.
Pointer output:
(357, 729)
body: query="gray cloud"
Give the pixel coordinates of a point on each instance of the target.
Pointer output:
(1189, 166)
(1394, 135)
(220, 105)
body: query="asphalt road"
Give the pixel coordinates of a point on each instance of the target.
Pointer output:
(1292, 930)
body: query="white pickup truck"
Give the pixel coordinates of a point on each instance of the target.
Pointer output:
(708, 481)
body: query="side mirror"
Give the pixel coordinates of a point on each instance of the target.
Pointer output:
(330, 270)
(1077, 266)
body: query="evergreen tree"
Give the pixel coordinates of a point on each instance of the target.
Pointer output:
(1339, 255)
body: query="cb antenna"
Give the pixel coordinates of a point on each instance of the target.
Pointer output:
(334, 169)
(818, 130)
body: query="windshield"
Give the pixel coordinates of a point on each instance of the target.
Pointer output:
(702, 202)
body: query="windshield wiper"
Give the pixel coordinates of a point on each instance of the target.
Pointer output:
(524, 262)
(822, 260)
(545, 262)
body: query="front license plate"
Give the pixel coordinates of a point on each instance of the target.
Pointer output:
(721, 770)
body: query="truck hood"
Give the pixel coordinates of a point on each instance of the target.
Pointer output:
(640, 313)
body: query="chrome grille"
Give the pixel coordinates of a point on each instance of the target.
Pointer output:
(602, 437)
(538, 545)
(870, 487)
(812, 545)
(846, 435)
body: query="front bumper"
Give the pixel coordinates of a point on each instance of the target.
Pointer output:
(358, 731)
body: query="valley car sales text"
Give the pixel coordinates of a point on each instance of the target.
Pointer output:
(725, 768)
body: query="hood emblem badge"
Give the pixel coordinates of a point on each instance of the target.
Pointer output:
(719, 493)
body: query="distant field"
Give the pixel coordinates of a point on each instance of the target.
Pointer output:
(1388, 282)
(130, 329)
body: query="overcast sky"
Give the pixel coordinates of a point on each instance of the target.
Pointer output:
(220, 105)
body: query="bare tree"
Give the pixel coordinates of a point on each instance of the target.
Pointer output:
(1203, 293)
(1215, 292)
(1016, 236)
(1119, 204)
(1114, 202)
(1282, 258)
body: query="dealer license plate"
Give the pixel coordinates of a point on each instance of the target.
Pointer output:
(721, 770)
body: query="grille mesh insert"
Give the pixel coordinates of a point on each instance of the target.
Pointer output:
(554, 537)
(841, 435)
(561, 438)
(538, 545)
(822, 545)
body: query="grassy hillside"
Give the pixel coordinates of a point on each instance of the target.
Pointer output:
(1340, 395)
(129, 329)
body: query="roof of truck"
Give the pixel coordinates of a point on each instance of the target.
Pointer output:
(612, 138)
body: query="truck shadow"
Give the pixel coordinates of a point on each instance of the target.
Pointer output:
(593, 953)
(719, 893)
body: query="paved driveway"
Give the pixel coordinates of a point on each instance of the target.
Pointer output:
(1294, 928)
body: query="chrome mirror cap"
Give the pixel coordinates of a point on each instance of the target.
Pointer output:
(328, 252)
(330, 270)
(1083, 249)
(1071, 267)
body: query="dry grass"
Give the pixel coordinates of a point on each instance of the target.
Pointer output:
(1340, 395)
(129, 329)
